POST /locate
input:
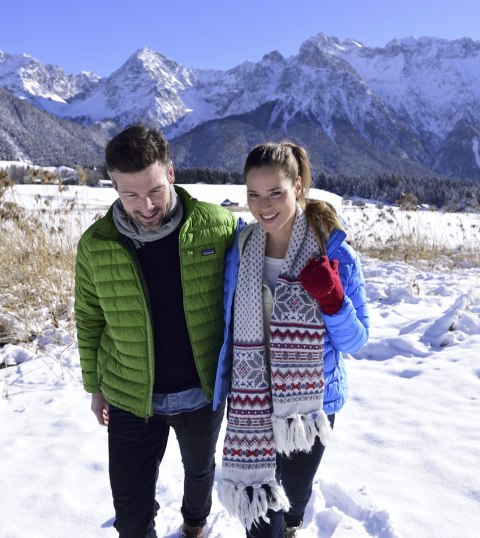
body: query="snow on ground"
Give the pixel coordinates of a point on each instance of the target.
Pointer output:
(405, 459)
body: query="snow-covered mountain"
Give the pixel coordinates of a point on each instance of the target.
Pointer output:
(430, 83)
(147, 88)
(30, 134)
(412, 106)
(27, 78)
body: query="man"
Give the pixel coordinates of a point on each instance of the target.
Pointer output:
(149, 312)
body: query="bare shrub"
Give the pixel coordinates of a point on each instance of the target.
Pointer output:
(36, 266)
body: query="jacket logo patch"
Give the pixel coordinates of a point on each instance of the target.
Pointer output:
(208, 251)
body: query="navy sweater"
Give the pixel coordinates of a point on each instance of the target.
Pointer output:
(174, 363)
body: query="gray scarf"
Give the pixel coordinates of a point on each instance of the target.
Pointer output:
(276, 402)
(131, 229)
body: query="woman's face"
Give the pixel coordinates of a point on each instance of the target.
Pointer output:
(272, 199)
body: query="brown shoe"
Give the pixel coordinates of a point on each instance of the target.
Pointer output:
(188, 531)
(291, 532)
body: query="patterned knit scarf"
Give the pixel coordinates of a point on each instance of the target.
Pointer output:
(277, 386)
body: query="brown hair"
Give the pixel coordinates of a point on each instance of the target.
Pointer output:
(292, 160)
(135, 148)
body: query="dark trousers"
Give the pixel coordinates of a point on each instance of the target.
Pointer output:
(296, 474)
(136, 448)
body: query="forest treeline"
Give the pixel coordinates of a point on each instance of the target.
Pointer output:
(436, 192)
(410, 192)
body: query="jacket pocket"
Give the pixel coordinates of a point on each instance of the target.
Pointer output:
(105, 354)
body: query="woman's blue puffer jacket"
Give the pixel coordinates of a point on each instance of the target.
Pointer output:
(346, 330)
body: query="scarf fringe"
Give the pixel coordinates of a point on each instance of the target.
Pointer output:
(324, 427)
(298, 432)
(251, 511)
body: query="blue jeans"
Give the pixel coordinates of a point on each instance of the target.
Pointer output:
(296, 474)
(136, 449)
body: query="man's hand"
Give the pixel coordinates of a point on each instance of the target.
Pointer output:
(100, 408)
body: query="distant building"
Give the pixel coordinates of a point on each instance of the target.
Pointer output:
(72, 180)
(229, 203)
(103, 183)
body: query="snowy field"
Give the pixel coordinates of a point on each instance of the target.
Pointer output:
(405, 459)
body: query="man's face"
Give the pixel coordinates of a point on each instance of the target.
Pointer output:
(145, 195)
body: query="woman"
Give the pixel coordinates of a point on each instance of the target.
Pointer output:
(299, 303)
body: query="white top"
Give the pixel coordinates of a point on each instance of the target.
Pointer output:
(271, 270)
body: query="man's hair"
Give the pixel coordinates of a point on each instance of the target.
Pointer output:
(136, 148)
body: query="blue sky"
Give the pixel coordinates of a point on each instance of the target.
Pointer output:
(99, 35)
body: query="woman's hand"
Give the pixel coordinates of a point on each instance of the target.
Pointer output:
(321, 280)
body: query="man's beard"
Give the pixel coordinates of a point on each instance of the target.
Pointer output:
(154, 226)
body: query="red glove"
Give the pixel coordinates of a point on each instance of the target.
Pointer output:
(321, 280)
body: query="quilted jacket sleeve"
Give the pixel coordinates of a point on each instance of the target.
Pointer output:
(90, 320)
(223, 375)
(348, 328)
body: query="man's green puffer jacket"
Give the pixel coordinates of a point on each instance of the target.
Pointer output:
(114, 326)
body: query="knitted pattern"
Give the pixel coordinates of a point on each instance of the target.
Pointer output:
(277, 386)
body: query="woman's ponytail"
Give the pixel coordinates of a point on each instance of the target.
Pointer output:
(323, 219)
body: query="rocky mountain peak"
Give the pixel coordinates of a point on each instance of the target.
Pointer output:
(273, 57)
(28, 78)
(400, 103)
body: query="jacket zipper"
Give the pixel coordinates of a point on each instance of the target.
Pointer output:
(188, 251)
(148, 320)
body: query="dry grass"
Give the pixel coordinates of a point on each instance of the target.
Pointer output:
(418, 238)
(36, 267)
(413, 237)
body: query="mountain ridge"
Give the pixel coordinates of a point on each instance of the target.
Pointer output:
(414, 104)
